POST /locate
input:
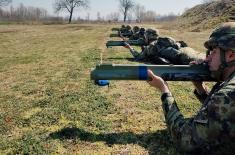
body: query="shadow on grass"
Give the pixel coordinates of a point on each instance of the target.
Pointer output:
(116, 58)
(155, 143)
(121, 58)
(157, 61)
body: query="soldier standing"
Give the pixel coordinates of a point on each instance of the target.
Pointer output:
(214, 125)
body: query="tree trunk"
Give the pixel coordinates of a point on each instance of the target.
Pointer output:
(125, 14)
(71, 15)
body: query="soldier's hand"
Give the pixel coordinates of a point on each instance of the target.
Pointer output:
(158, 82)
(127, 45)
(197, 62)
(199, 85)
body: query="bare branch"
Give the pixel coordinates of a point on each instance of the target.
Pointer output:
(125, 6)
(70, 5)
(139, 11)
(5, 2)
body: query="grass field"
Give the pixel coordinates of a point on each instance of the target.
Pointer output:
(48, 105)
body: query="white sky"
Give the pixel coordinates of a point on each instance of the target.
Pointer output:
(105, 7)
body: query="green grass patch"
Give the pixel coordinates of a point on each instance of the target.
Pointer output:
(48, 105)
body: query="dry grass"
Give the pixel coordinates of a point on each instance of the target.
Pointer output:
(48, 105)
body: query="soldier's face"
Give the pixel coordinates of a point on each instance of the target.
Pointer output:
(213, 59)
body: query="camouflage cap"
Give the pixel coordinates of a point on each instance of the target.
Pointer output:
(223, 36)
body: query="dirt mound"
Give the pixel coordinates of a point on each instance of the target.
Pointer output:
(208, 15)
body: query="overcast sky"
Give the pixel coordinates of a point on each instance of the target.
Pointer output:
(107, 6)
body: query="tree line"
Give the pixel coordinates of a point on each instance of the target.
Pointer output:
(24, 13)
(127, 8)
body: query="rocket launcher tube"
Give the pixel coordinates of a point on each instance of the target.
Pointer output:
(115, 29)
(121, 35)
(139, 42)
(114, 35)
(139, 72)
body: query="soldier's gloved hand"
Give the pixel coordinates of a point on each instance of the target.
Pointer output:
(158, 82)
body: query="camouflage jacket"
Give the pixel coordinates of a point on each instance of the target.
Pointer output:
(214, 124)
(168, 49)
(154, 48)
(136, 36)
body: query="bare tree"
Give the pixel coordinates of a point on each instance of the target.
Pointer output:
(170, 17)
(114, 16)
(88, 17)
(139, 12)
(22, 13)
(98, 17)
(70, 5)
(150, 16)
(5, 2)
(125, 6)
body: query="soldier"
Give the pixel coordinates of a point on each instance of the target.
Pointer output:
(164, 50)
(151, 35)
(135, 34)
(125, 29)
(148, 35)
(213, 128)
(142, 30)
(136, 29)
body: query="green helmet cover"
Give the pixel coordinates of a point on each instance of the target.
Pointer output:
(223, 36)
(128, 27)
(152, 34)
(136, 29)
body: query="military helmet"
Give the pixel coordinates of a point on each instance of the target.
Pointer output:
(142, 29)
(123, 26)
(152, 31)
(128, 27)
(223, 36)
(136, 28)
(142, 32)
(151, 34)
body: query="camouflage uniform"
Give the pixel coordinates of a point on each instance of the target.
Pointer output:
(149, 35)
(125, 30)
(136, 29)
(213, 124)
(213, 128)
(166, 50)
(135, 33)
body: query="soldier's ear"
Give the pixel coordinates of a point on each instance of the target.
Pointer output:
(230, 55)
